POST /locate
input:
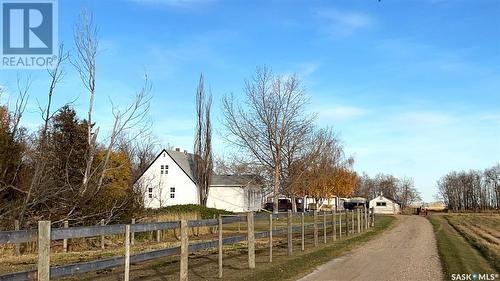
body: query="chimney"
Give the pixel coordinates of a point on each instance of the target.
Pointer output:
(177, 149)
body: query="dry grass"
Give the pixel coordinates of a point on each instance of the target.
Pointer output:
(88, 249)
(482, 231)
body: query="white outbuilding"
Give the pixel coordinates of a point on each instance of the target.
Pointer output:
(384, 205)
(235, 193)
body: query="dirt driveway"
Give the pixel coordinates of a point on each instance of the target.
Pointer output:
(406, 252)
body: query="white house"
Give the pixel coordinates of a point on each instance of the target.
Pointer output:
(383, 205)
(170, 180)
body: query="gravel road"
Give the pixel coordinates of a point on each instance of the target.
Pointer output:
(406, 252)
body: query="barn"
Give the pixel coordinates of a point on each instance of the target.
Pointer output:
(170, 180)
(384, 205)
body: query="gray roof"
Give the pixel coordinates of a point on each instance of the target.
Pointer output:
(234, 180)
(185, 161)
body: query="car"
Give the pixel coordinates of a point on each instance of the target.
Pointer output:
(285, 204)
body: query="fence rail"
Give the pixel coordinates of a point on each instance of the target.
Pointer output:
(22, 236)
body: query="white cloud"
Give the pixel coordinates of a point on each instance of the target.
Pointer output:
(341, 22)
(422, 143)
(339, 113)
(424, 119)
(306, 69)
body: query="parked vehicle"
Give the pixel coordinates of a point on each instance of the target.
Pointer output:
(355, 203)
(285, 204)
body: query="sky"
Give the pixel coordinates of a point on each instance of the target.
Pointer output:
(412, 87)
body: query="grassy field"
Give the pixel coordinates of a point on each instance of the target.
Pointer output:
(203, 265)
(465, 242)
(482, 231)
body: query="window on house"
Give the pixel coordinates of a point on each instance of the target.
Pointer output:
(150, 190)
(381, 204)
(150, 195)
(164, 169)
(172, 192)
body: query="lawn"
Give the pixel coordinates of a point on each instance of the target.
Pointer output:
(457, 250)
(482, 231)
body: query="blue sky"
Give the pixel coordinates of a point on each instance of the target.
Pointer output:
(412, 87)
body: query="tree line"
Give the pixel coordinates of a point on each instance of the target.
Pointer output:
(402, 190)
(68, 169)
(471, 190)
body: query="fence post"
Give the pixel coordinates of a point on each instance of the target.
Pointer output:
(346, 223)
(302, 231)
(315, 217)
(102, 236)
(43, 270)
(132, 235)
(184, 250)
(126, 276)
(158, 233)
(270, 237)
(340, 225)
(352, 222)
(212, 229)
(334, 219)
(220, 246)
(366, 218)
(362, 220)
(18, 246)
(251, 240)
(65, 240)
(373, 217)
(358, 213)
(324, 227)
(289, 233)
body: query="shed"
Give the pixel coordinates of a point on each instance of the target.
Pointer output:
(236, 193)
(384, 205)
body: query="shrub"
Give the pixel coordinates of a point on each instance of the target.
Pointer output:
(204, 212)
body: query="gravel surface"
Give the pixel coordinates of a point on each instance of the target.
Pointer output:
(406, 252)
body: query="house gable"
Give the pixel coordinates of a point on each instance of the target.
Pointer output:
(167, 181)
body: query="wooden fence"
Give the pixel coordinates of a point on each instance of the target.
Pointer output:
(45, 234)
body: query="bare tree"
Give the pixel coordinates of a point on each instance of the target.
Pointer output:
(407, 193)
(132, 117)
(265, 122)
(56, 74)
(203, 142)
(471, 190)
(86, 38)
